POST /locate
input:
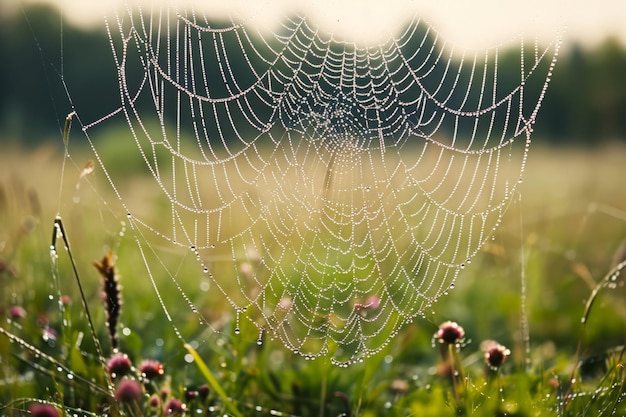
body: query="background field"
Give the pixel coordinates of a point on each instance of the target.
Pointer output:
(563, 237)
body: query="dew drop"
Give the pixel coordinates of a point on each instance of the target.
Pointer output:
(237, 331)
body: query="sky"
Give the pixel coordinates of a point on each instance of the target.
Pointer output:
(464, 23)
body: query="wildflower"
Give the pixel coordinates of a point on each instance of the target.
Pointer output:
(17, 312)
(190, 394)
(151, 369)
(371, 303)
(285, 303)
(495, 353)
(174, 407)
(450, 333)
(203, 392)
(119, 365)
(43, 410)
(154, 401)
(400, 386)
(128, 391)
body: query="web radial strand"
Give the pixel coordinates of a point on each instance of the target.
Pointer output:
(334, 190)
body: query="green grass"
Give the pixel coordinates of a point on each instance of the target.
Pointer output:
(562, 237)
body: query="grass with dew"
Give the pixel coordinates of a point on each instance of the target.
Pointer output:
(563, 238)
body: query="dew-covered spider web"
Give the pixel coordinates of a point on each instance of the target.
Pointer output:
(330, 190)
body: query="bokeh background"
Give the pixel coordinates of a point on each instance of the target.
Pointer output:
(44, 43)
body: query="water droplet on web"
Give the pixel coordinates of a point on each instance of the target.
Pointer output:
(237, 331)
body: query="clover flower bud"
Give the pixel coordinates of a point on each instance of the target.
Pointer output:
(449, 333)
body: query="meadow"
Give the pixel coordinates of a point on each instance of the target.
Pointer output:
(528, 289)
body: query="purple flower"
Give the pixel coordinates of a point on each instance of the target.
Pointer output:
(17, 312)
(450, 333)
(151, 369)
(154, 401)
(203, 392)
(119, 365)
(128, 391)
(43, 410)
(190, 394)
(495, 353)
(174, 407)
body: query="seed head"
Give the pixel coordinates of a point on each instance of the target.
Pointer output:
(111, 294)
(449, 333)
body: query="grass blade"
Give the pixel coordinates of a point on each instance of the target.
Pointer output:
(230, 406)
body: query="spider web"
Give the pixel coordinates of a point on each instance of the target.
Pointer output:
(331, 191)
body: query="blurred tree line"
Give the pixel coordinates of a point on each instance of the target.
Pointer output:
(42, 56)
